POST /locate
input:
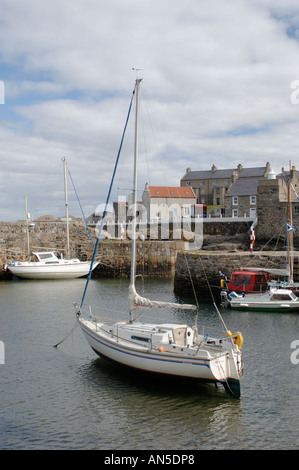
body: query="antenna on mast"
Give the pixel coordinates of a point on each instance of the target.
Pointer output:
(136, 70)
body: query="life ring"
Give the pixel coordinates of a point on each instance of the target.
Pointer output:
(237, 338)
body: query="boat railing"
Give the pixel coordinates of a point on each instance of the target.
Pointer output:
(207, 341)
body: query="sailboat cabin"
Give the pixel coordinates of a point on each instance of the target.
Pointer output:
(249, 281)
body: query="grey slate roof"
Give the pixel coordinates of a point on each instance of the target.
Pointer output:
(244, 187)
(227, 173)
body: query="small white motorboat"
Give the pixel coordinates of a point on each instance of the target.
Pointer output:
(273, 299)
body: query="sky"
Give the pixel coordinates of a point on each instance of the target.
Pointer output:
(220, 86)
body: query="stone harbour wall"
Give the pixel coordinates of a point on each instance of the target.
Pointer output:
(221, 251)
(43, 236)
(154, 257)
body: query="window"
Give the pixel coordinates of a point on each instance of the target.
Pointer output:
(235, 200)
(252, 200)
(186, 211)
(202, 183)
(187, 183)
(235, 213)
(215, 182)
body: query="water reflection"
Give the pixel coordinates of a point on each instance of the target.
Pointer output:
(165, 414)
(67, 398)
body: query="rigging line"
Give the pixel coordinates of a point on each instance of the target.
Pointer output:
(278, 233)
(191, 280)
(212, 296)
(144, 143)
(107, 200)
(81, 208)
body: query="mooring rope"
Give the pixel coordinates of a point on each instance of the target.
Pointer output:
(55, 345)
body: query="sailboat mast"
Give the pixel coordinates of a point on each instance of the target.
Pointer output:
(27, 228)
(66, 211)
(290, 233)
(135, 183)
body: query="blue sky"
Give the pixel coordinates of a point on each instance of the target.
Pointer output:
(217, 90)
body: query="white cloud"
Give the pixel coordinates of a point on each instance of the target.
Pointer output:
(217, 87)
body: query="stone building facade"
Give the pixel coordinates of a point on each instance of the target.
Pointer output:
(211, 187)
(273, 207)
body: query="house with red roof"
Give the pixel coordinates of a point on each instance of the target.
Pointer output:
(168, 202)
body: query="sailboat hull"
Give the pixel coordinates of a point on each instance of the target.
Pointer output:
(181, 364)
(27, 270)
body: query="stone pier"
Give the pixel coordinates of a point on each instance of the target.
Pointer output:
(155, 258)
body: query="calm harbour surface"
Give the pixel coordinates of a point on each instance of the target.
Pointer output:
(68, 398)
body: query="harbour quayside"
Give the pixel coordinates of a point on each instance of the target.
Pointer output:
(47, 265)
(171, 350)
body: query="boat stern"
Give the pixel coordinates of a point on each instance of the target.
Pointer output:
(232, 387)
(228, 369)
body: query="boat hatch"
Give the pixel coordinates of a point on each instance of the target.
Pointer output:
(140, 338)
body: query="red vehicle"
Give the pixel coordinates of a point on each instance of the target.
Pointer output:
(249, 281)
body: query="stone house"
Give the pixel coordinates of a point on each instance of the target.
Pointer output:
(167, 203)
(211, 187)
(241, 198)
(272, 205)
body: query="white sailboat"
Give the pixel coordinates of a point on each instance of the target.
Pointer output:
(46, 264)
(167, 349)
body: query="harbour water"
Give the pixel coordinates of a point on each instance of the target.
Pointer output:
(68, 398)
